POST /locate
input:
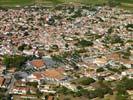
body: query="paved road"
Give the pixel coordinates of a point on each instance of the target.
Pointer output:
(11, 85)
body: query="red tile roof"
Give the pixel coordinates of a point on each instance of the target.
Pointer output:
(38, 75)
(1, 80)
(21, 88)
(50, 97)
(38, 63)
(53, 73)
(114, 56)
(126, 61)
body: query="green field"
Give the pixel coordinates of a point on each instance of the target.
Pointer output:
(12, 3)
(29, 2)
(125, 1)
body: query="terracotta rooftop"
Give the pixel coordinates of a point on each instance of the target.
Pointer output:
(12, 70)
(37, 63)
(129, 70)
(1, 67)
(50, 97)
(100, 60)
(21, 88)
(114, 56)
(19, 83)
(126, 61)
(38, 75)
(60, 69)
(53, 73)
(1, 80)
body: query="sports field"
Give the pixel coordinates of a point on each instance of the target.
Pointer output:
(13, 3)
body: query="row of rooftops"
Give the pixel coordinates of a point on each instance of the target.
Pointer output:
(43, 28)
(26, 29)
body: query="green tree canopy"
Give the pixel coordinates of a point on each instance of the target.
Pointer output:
(14, 61)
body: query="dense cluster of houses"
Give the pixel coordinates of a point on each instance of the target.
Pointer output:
(45, 32)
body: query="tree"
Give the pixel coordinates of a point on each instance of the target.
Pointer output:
(66, 45)
(7, 61)
(114, 70)
(81, 92)
(28, 92)
(57, 58)
(64, 90)
(129, 26)
(116, 39)
(34, 84)
(77, 13)
(101, 79)
(55, 47)
(122, 68)
(126, 54)
(87, 81)
(125, 84)
(14, 61)
(122, 87)
(101, 69)
(22, 47)
(100, 92)
(113, 39)
(110, 30)
(84, 43)
(121, 96)
(38, 93)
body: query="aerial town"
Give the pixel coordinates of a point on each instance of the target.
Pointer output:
(69, 52)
